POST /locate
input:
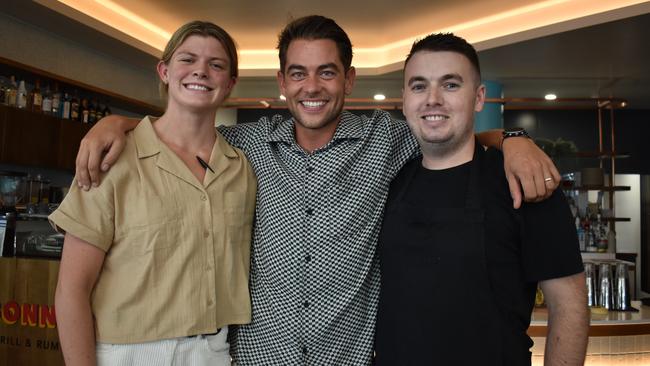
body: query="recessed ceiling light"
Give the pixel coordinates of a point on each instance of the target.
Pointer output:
(550, 97)
(379, 97)
(282, 97)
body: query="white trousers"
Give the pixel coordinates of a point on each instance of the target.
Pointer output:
(212, 350)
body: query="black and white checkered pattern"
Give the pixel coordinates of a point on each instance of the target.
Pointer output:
(314, 268)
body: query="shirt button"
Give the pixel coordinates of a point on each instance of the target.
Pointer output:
(210, 302)
(310, 169)
(310, 211)
(305, 304)
(307, 258)
(203, 198)
(304, 350)
(206, 234)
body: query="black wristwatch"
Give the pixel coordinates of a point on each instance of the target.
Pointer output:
(514, 132)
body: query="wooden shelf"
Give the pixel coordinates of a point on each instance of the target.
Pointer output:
(616, 219)
(594, 188)
(601, 154)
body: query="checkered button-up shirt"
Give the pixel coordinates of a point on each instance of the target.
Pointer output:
(314, 268)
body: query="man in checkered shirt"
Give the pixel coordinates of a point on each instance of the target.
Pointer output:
(323, 178)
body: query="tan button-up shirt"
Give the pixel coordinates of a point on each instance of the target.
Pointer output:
(177, 250)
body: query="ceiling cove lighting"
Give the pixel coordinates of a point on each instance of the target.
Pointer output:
(550, 97)
(523, 20)
(379, 97)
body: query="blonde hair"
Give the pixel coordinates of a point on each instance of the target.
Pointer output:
(205, 29)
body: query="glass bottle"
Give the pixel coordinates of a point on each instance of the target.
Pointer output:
(74, 108)
(56, 101)
(47, 101)
(35, 101)
(12, 92)
(65, 106)
(21, 96)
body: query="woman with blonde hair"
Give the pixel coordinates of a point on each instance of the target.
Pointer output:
(155, 262)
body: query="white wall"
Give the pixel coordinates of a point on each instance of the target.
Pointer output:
(628, 204)
(226, 117)
(628, 234)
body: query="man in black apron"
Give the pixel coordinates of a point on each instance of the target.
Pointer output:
(459, 265)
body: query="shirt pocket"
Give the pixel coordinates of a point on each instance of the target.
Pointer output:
(149, 223)
(238, 212)
(350, 208)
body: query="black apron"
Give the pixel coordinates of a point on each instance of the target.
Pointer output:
(436, 305)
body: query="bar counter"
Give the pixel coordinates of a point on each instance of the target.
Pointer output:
(615, 338)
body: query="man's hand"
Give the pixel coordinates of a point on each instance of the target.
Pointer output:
(528, 169)
(100, 148)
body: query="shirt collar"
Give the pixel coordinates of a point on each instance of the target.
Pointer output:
(350, 127)
(148, 144)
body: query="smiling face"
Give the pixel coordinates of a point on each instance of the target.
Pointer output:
(198, 74)
(315, 84)
(441, 93)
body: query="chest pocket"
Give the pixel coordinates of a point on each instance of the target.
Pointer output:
(350, 206)
(148, 222)
(238, 212)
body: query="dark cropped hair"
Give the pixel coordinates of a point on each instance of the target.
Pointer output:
(446, 42)
(315, 27)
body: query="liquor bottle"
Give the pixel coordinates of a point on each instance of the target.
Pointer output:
(99, 114)
(65, 106)
(581, 235)
(74, 108)
(11, 93)
(56, 101)
(92, 112)
(3, 89)
(84, 111)
(47, 101)
(602, 236)
(106, 111)
(21, 95)
(35, 100)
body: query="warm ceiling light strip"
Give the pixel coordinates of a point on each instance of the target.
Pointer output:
(121, 19)
(502, 24)
(117, 9)
(540, 15)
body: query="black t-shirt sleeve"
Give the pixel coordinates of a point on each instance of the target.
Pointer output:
(549, 240)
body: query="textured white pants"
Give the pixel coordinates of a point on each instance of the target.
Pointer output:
(200, 350)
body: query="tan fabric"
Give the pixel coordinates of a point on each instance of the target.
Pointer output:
(177, 251)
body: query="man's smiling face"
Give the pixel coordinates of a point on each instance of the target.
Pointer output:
(441, 93)
(315, 83)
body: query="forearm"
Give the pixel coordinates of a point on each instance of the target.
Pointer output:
(568, 328)
(491, 138)
(76, 329)
(78, 273)
(125, 123)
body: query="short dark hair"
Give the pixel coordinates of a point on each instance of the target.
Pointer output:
(438, 42)
(314, 27)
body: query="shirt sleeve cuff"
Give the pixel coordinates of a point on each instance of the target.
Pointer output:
(63, 223)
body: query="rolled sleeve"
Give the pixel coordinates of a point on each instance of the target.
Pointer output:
(87, 215)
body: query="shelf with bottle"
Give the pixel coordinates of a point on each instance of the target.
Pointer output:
(52, 102)
(28, 88)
